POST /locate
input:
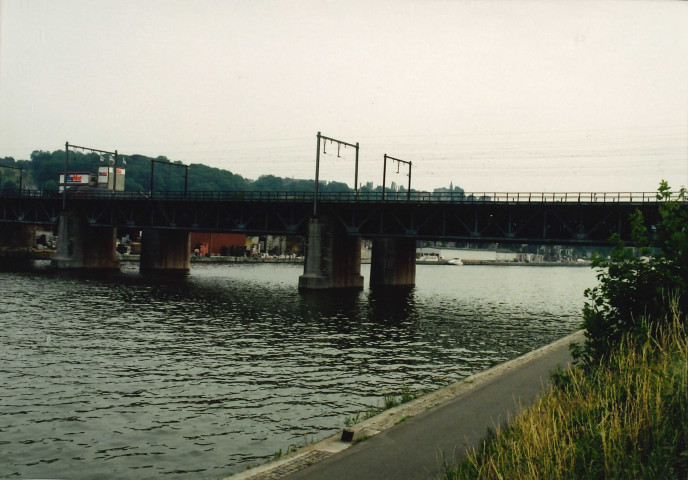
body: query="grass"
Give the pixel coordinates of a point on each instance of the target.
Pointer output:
(293, 447)
(403, 419)
(628, 418)
(388, 401)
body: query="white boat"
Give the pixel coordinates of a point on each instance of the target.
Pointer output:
(455, 261)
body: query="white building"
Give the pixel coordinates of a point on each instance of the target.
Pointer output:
(471, 254)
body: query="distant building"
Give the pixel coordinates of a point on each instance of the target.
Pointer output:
(226, 244)
(240, 245)
(111, 178)
(472, 254)
(275, 245)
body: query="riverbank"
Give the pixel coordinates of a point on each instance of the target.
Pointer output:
(48, 254)
(409, 441)
(221, 259)
(500, 263)
(364, 261)
(591, 427)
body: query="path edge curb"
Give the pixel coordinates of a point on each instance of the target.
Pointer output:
(310, 454)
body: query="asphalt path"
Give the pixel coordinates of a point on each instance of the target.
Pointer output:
(418, 447)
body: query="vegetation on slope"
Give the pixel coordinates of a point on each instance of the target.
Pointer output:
(42, 172)
(627, 418)
(622, 411)
(43, 169)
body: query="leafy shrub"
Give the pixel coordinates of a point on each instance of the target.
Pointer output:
(636, 285)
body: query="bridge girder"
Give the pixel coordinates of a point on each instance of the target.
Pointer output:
(572, 223)
(546, 223)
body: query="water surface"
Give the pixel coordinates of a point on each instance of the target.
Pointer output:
(123, 376)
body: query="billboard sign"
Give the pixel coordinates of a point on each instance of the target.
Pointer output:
(104, 175)
(77, 178)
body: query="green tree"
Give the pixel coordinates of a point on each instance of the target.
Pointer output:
(335, 187)
(638, 288)
(44, 168)
(269, 183)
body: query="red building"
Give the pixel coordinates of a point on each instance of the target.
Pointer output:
(226, 244)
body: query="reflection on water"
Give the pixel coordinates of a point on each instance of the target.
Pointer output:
(123, 376)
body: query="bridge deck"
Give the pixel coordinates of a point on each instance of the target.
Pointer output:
(581, 218)
(360, 197)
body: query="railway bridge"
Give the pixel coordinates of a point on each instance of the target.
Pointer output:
(88, 219)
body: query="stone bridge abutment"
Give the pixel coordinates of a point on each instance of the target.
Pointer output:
(333, 259)
(81, 246)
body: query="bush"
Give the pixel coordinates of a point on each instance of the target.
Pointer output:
(623, 411)
(636, 285)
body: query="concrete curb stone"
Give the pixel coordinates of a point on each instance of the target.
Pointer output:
(316, 452)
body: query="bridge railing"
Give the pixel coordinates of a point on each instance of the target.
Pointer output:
(351, 197)
(529, 197)
(421, 197)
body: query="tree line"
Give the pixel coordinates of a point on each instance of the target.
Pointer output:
(42, 172)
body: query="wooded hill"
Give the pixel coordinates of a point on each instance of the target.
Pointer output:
(43, 170)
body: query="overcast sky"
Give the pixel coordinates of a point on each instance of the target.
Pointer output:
(492, 95)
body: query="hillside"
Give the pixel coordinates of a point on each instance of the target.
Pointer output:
(42, 172)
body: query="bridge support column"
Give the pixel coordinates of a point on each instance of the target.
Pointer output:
(16, 244)
(82, 247)
(333, 259)
(393, 262)
(165, 251)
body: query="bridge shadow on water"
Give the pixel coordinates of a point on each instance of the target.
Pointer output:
(330, 302)
(380, 305)
(391, 305)
(224, 298)
(16, 265)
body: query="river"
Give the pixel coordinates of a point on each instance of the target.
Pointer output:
(123, 376)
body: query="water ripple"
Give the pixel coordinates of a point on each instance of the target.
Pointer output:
(125, 377)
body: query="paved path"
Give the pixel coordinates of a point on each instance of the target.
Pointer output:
(441, 425)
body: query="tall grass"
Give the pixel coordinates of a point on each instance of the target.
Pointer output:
(625, 419)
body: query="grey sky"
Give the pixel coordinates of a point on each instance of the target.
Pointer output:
(492, 96)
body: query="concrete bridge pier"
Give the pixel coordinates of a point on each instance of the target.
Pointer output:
(165, 251)
(333, 259)
(16, 244)
(82, 247)
(393, 262)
